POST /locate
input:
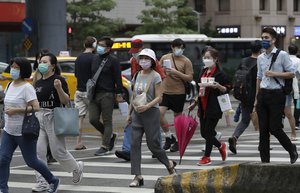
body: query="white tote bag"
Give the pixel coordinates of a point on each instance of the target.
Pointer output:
(224, 102)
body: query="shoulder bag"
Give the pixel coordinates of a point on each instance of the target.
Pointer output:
(91, 83)
(141, 99)
(66, 121)
(187, 85)
(31, 125)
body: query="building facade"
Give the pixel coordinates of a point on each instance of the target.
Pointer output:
(244, 18)
(232, 18)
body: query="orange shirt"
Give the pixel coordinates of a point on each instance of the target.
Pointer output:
(172, 84)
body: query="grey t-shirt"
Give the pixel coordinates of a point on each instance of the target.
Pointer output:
(140, 85)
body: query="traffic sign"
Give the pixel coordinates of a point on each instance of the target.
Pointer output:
(27, 26)
(27, 44)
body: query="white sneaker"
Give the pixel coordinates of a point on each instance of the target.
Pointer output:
(40, 187)
(78, 174)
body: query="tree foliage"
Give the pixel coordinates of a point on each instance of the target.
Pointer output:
(86, 18)
(207, 29)
(167, 16)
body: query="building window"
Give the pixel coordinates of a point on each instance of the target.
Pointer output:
(262, 5)
(279, 5)
(224, 5)
(200, 6)
(296, 5)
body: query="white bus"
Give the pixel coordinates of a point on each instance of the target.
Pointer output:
(231, 50)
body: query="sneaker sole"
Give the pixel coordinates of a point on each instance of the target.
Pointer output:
(81, 176)
(204, 164)
(102, 154)
(41, 190)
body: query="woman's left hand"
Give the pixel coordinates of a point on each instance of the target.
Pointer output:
(57, 84)
(142, 108)
(10, 111)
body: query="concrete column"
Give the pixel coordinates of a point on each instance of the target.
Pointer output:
(49, 17)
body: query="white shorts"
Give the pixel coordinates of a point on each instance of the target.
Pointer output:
(81, 102)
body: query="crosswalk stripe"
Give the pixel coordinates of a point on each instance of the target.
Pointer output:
(88, 175)
(79, 188)
(144, 166)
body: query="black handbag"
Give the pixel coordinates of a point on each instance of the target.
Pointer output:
(31, 125)
(91, 83)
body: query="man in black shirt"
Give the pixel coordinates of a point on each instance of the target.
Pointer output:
(108, 88)
(83, 72)
(247, 104)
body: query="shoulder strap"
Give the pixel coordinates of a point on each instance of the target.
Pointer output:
(177, 69)
(274, 58)
(150, 79)
(8, 86)
(96, 76)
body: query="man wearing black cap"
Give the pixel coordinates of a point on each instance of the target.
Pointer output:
(250, 65)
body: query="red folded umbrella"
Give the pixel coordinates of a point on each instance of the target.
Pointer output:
(185, 126)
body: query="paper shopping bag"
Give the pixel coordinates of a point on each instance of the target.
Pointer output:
(224, 102)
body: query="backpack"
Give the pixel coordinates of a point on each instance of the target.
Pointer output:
(242, 82)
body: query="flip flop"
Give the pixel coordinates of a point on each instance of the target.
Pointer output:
(80, 148)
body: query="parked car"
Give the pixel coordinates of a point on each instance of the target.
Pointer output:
(67, 65)
(3, 66)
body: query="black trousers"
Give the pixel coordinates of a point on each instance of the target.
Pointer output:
(270, 109)
(208, 132)
(296, 113)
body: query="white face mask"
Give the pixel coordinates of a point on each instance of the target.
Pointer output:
(178, 52)
(145, 63)
(208, 63)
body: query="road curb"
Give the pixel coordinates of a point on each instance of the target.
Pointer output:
(237, 178)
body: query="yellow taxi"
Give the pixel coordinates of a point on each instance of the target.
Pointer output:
(67, 64)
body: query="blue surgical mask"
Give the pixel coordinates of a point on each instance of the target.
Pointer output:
(43, 68)
(178, 52)
(100, 50)
(15, 73)
(265, 44)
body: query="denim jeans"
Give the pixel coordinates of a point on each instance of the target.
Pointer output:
(9, 143)
(127, 139)
(244, 123)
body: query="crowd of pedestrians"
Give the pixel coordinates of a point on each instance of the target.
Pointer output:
(157, 86)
